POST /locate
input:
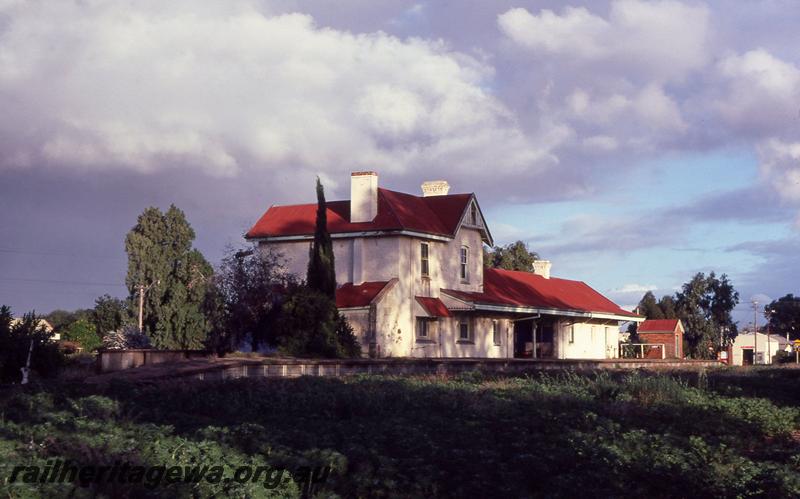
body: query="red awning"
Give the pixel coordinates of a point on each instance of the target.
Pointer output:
(433, 306)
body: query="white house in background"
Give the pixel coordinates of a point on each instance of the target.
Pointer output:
(758, 348)
(413, 284)
(42, 324)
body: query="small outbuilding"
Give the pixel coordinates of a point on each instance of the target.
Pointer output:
(759, 348)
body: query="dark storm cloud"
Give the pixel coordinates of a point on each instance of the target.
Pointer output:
(226, 108)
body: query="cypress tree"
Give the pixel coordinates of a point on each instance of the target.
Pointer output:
(321, 275)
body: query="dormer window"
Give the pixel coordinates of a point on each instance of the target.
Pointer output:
(424, 262)
(464, 264)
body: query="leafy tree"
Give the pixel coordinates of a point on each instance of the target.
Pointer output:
(15, 344)
(160, 255)
(244, 298)
(667, 306)
(109, 314)
(784, 316)
(704, 306)
(514, 256)
(84, 333)
(649, 307)
(321, 274)
(61, 319)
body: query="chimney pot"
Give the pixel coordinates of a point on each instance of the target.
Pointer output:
(435, 188)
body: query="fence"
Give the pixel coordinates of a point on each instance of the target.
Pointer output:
(642, 351)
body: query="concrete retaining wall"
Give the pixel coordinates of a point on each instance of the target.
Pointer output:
(117, 360)
(289, 368)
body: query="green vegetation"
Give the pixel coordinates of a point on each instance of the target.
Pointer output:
(251, 298)
(514, 256)
(83, 333)
(321, 274)
(784, 316)
(244, 298)
(704, 305)
(18, 340)
(717, 434)
(161, 259)
(109, 314)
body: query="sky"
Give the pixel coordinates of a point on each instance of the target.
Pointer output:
(633, 143)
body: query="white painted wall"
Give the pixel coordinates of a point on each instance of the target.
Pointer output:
(446, 343)
(768, 349)
(592, 340)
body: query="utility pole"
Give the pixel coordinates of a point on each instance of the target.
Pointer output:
(755, 332)
(141, 290)
(769, 342)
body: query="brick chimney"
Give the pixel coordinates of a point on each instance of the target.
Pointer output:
(363, 196)
(542, 268)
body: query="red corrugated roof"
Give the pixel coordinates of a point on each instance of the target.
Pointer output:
(361, 295)
(433, 306)
(438, 215)
(524, 289)
(657, 325)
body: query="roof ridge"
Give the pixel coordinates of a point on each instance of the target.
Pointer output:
(391, 208)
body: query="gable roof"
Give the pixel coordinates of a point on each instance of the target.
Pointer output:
(658, 325)
(530, 291)
(350, 295)
(397, 211)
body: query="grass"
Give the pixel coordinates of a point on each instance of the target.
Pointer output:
(722, 434)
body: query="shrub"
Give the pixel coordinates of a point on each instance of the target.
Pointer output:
(126, 338)
(310, 326)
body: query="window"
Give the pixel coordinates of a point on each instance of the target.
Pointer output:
(496, 333)
(572, 334)
(422, 328)
(463, 331)
(473, 215)
(464, 263)
(423, 260)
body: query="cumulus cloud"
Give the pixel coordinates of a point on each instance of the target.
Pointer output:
(229, 86)
(780, 165)
(612, 76)
(760, 92)
(665, 39)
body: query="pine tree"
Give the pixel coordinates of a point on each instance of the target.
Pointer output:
(321, 275)
(160, 255)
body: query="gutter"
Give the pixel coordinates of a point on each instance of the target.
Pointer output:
(352, 235)
(546, 311)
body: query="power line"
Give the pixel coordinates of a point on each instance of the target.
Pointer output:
(55, 281)
(55, 253)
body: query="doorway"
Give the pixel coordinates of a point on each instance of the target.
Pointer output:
(747, 356)
(523, 339)
(525, 331)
